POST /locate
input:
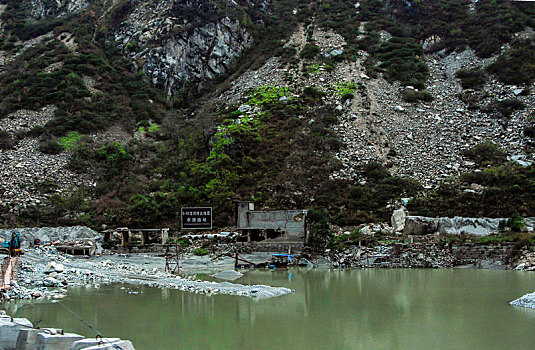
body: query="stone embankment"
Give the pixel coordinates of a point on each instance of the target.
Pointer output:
(20, 334)
(423, 255)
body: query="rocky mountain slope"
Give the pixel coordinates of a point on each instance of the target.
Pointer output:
(118, 112)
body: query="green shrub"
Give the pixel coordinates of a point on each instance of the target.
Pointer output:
(346, 90)
(486, 153)
(413, 96)
(504, 108)
(516, 66)
(112, 151)
(401, 57)
(310, 51)
(506, 189)
(6, 141)
(70, 141)
(200, 252)
(184, 242)
(516, 223)
(50, 146)
(471, 78)
(320, 232)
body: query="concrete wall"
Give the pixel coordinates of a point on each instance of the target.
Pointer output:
(292, 222)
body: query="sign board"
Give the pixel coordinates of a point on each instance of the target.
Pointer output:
(196, 218)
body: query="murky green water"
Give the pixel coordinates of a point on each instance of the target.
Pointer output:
(354, 309)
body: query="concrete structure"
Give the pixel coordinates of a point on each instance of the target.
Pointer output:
(126, 234)
(9, 330)
(275, 225)
(56, 341)
(19, 334)
(102, 344)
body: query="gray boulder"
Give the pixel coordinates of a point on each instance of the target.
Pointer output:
(527, 300)
(397, 220)
(420, 225)
(54, 267)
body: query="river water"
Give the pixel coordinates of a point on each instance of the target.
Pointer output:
(330, 309)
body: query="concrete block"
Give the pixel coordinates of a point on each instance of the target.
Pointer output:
(103, 344)
(27, 339)
(56, 341)
(9, 331)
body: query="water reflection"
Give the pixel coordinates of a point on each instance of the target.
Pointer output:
(330, 309)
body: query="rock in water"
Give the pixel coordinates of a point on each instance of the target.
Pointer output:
(527, 300)
(229, 275)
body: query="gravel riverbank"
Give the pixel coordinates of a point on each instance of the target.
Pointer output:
(45, 273)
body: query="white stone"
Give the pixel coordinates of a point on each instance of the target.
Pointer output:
(398, 220)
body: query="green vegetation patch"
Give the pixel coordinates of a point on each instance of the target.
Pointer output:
(310, 51)
(401, 59)
(200, 252)
(486, 153)
(70, 141)
(345, 88)
(267, 95)
(471, 78)
(516, 65)
(505, 190)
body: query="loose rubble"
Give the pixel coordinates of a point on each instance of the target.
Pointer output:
(429, 138)
(25, 170)
(427, 254)
(425, 140)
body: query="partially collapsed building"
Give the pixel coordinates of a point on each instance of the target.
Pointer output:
(273, 225)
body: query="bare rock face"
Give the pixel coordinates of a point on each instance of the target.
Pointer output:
(204, 53)
(47, 8)
(178, 41)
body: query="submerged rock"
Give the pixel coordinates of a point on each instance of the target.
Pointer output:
(229, 275)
